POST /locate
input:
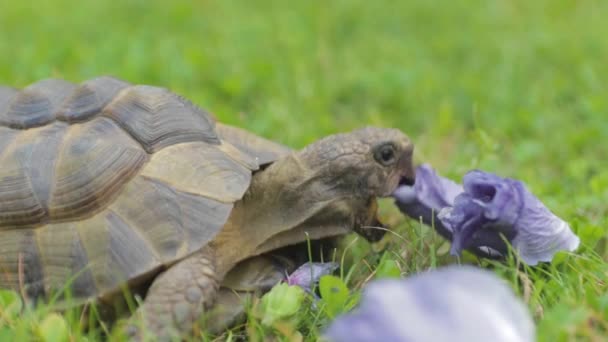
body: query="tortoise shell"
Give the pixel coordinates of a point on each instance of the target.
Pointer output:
(106, 182)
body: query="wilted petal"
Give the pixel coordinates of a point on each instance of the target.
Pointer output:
(485, 214)
(307, 275)
(427, 197)
(433, 194)
(430, 189)
(541, 234)
(493, 207)
(456, 303)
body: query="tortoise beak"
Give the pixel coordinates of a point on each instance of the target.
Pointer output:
(408, 172)
(403, 175)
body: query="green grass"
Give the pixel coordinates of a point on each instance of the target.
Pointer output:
(513, 87)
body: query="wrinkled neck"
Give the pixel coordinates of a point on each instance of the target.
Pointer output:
(285, 195)
(286, 202)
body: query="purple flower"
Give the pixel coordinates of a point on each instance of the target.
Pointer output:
(307, 275)
(491, 206)
(455, 303)
(485, 214)
(427, 197)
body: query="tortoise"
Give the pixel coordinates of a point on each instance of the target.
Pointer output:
(106, 185)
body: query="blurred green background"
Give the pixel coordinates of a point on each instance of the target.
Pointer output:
(529, 73)
(514, 87)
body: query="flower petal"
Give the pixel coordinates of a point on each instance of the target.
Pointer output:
(485, 214)
(493, 209)
(541, 234)
(427, 197)
(307, 275)
(455, 303)
(430, 189)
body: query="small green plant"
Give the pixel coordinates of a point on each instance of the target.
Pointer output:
(283, 302)
(334, 294)
(10, 305)
(517, 87)
(53, 328)
(388, 267)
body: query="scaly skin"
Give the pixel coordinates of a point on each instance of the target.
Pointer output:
(178, 297)
(327, 189)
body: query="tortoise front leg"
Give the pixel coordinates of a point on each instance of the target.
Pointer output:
(248, 279)
(177, 298)
(229, 310)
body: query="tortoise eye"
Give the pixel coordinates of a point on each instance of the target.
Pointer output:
(386, 155)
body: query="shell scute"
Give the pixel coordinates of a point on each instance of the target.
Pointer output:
(105, 182)
(158, 118)
(89, 98)
(97, 159)
(35, 105)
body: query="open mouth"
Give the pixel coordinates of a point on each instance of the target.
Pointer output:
(406, 180)
(405, 188)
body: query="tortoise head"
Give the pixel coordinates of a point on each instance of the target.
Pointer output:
(370, 162)
(327, 189)
(362, 165)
